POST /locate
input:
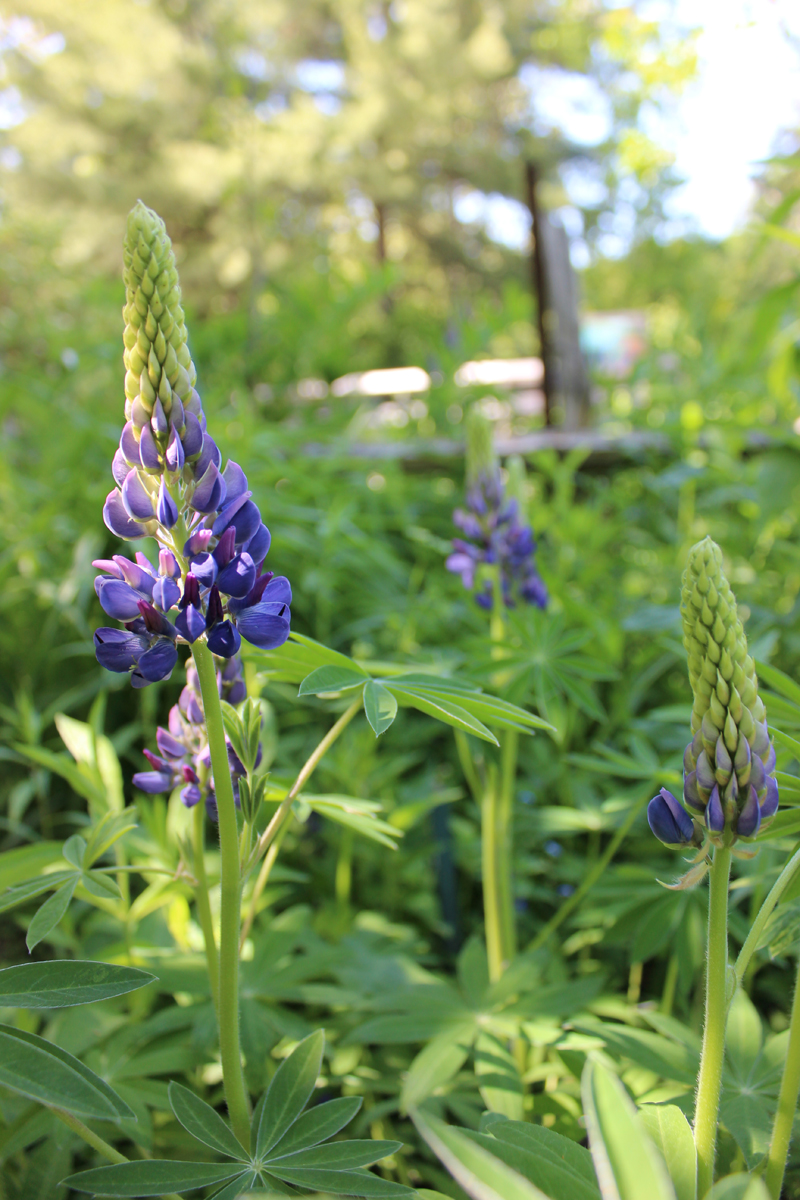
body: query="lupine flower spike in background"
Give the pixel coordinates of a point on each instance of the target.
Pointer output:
(210, 580)
(495, 535)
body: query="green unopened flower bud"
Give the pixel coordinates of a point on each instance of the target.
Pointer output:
(155, 330)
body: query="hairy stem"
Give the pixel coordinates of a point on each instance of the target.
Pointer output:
(230, 884)
(787, 1102)
(709, 1083)
(203, 905)
(92, 1139)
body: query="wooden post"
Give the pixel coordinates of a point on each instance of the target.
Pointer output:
(539, 290)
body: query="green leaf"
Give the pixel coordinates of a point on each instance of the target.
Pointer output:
(343, 1183)
(319, 1123)
(556, 1164)
(481, 1174)
(738, 1187)
(355, 814)
(627, 1163)
(74, 849)
(66, 768)
(78, 737)
(109, 829)
(436, 1064)
(60, 984)
(33, 887)
(151, 1177)
(42, 1071)
(289, 1091)
(335, 1156)
(672, 1135)
(789, 743)
(498, 1077)
(662, 1055)
(776, 679)
(743, 1035)
(443, 709)
(783, 824)
(332, 678)
(239, 1187)
(380, 707)
(103, 886)
(202, 1122)
(22, 863)
(48, 916)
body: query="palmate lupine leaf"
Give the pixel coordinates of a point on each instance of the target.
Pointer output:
(42, 1071)
(63, 983)
(482, 1175)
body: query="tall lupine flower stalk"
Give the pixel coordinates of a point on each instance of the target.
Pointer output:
(729, 790)
(208, 591)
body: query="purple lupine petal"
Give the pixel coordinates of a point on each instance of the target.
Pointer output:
(691, 795)
(238, 577)
(166, 593)
(159, 422)
(204, 569)
(175, 721)
(175, 455)
(192, 436)
(277, 591)
(253, 596)
(705, 772)
(246, 521)
(669, 820)
(769, 805)
(168, 564)
(224, 641)
(152, 781)
(191, 795)
(770, 760)
(209, 492)
(225, 548)
(166, 508)
(118, 649)
(210, 454)
(169, 745)
(235, 479)
(258, 546)
(155, 621)
(211, 807)
(158, 764)
(189, 774)
(143, 561)
(117, 598)
(238, 692)
(176, 416)
(234, 762)
(157, 662)
(229, 510)
(148, 450)
(758, 775)
(119, 467)
(262, 627)
(197, 543)
(191, 591)
(136, 575)
(749, 819)
(715, 817)
(761, 742)
(136, 498)
(129, 445)
(117, 519)
(190, 623)
(191, 707)
(108, 565)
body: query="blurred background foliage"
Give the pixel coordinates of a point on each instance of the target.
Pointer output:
(310, 162)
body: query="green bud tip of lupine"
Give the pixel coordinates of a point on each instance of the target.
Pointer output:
(481, 457)
(156, 355)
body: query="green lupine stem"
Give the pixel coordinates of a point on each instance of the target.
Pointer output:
(787, 1102)
(261, 882)
(589, 880)
(230, 1051)
(709, 1083)
(203, 905)
(757, 928)
(92, 1139)
(505, 843)
(492, 914)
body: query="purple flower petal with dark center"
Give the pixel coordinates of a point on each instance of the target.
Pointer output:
(253, 596)
(214, 611)
(157, 662)
(189, 775)
(204, 569)
(108, 566)
(136, 498)
(262, 626)
(209, 492)
(168, 564)
(715, 817)
(258, 546)
(238, 577)
(166, 508)
(152, 781)
(175, 455)
(191, 591)
(190, 623)
(769, 805)
(169, 745)
(148, 450)
(158, 764)
(224, 641)
(210, 454)
(117, 519)
(191, 795)
(197, 543)
(135, 574)
(192, 436)
(117, 598)
(155, 621)
(118, 649)
(166, 593)
(225, 548)
(749, 818)
(229, 510)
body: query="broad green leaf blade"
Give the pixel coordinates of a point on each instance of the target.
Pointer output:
(336, 1156)
(74, 849)
(289, 1092)
(443, 709)
(102, 886)
(151, 1177)
(202, 1122)
(556, 1164)
(32, 888)
(318, 1124)
(66, 768)
(498, 1077)
(48, 916)
(332, 678)
(345, 811)
(627, 1163)
(380, 707)
(482, 1175)
(344, 1183)
(436, 1064)
(107, 831)
(60, 984)
(738, 1187)
(24, 862)
(38, 1069)
(490, 708)
(238, 1187)
(672, 1135)
(776, 679)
